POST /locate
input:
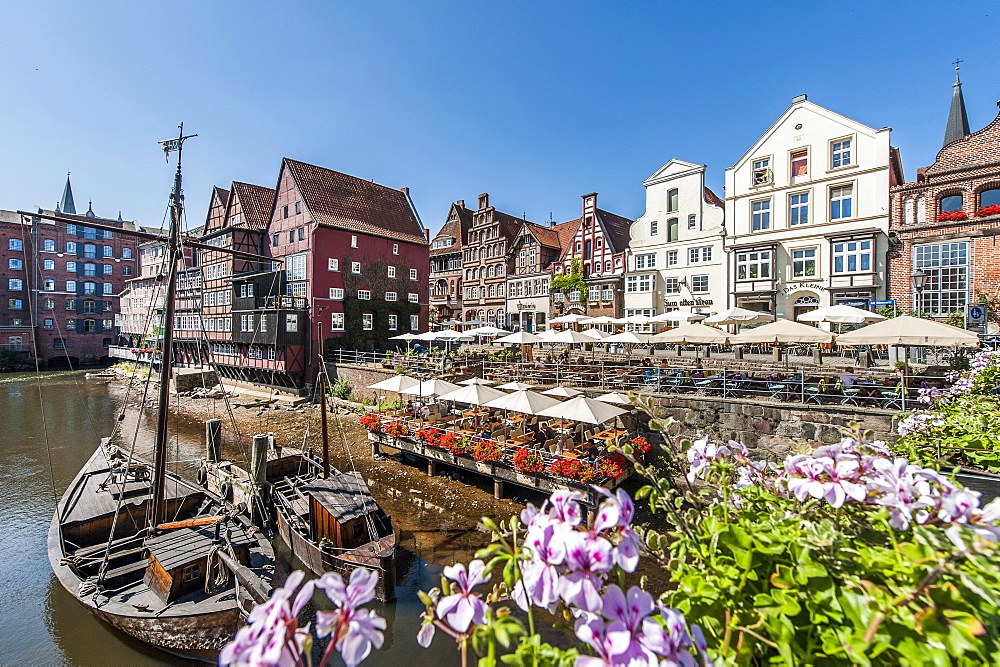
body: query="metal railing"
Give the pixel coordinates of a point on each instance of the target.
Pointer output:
(411, 364)
(870, 389)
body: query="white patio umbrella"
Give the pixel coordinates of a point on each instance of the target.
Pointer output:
(700, 334)
(583, 409)
(516, 386)
(615, 397)
(428, 335)
(545, 336)
(596, 334)
(396, 383)
(451, 334)
(477, 323)
(637, 319)
(841, 314)
(678, 316)
(486, 331)
(568, 336)
(602, 319)
(783, 331)
(519, 338)
(527, 402)
(570, 319)
(406, 336)
(629, 338)
(565, 392)
(476, 381)
(473, 394)
(432, 387)
(906, 330)
(737, 315)
(449, 323)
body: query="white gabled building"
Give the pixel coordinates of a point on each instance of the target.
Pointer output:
(808, 213)
(676, 258)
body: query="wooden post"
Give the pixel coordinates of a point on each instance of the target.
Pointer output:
(258, 456)
(738, 352)
(375, 448)
(213, 440)
(817, 356)
(497, 488)
(432, 467)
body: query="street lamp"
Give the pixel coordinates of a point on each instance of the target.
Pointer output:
(919, 278)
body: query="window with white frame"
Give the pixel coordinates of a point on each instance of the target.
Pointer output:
(367, 321)
(607, 293)
(840, 153)
(699, 284)
(760, 173)
(672, 200)
(852, 256)
(594, 293)
(414, 322)
(337, 293)
(654, 228)
(642, 282)
(295, 267)
(798, 208)
(390, 296)
(109, 288)
(413, 274)
(109, 251)
(246, 322)
(947, 268)
(671, 286)
(799, 163)
(354, 241)
(671, 258)
(216, 271)
(16, 264)
(413, 297)
(841, 201)
(391, 271)
(71, 247)
(49, 245)
(700, 254)
(760, 215)
(355, 267)
(574, 295)
(107, 269)
(645, 261)
(692, 221)
(804, 263)
(70, 285)
(364, 294)
(393, 322)
(291, 322)
(673, 229)
(395, 248)
(15, 244)
(753, 265)
(337, 322)
(333, 264)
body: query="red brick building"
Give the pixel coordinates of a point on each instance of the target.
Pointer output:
(943, 223)
(60, 284)
(598, 246)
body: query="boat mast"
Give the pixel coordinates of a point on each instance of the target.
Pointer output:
(321, 379)
(173, 256)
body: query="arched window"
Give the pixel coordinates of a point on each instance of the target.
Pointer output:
(909, 213)
(500, 269)
(951, 203)
(482, 292)
(490, 316)
(501, 318)
(989, 197)
(489, 271)
(921, 206)
(493, 290)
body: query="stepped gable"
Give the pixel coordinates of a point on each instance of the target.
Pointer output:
(346, 202)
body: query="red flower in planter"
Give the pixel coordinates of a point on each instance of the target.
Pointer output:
(528, 460)
(396, 429)
(487, 450)
(641, 445)
(428, 435)
(371, 422)
(610, 469)
(952, 215)
(988, 210)
(574, 469)
(453, 442)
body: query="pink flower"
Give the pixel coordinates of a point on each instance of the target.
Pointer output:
(464, 608)
(353, 631)
(272, 636)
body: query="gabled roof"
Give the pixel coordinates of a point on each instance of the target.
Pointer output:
(346, 202)
(255, 202)
(455, 228)
(222, 194)
(616, 228)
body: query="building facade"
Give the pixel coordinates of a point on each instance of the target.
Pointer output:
(596, 252)
(535, 249)
(808, 206)
(60, 283)
(446, 273)
(676, 253)
(487, 263)
(946, 222)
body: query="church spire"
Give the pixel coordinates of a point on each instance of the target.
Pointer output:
(66, 203)
(958, 119)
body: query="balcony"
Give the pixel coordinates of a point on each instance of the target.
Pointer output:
(282, 302)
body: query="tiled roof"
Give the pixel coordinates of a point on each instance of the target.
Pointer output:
(256, 202)
(456, 229)
(223, 195)
(554, 237)
(347, 202)
(617, 229)
(713, 199)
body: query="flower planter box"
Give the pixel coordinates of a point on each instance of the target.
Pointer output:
(484, 467)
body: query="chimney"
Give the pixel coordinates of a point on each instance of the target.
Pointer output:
(799, 98)
(406, 191)
(460, 203)
(484, 201)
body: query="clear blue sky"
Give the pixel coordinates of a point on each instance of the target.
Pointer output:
(536, 103)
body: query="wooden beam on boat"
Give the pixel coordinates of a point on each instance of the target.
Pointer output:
(259, 589)
(189, 523)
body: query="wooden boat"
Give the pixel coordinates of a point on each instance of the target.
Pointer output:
(172, 564)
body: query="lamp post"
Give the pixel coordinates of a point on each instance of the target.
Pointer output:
(919, 278)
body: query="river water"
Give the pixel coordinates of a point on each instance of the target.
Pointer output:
(49, 427)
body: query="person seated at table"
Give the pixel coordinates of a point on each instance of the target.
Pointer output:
(698, 375)
(647, 362)
(564, 356)
(581, 361)
(538, 436)
(664, 364)
(486, 433)
(424, 412)
(409, 407)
